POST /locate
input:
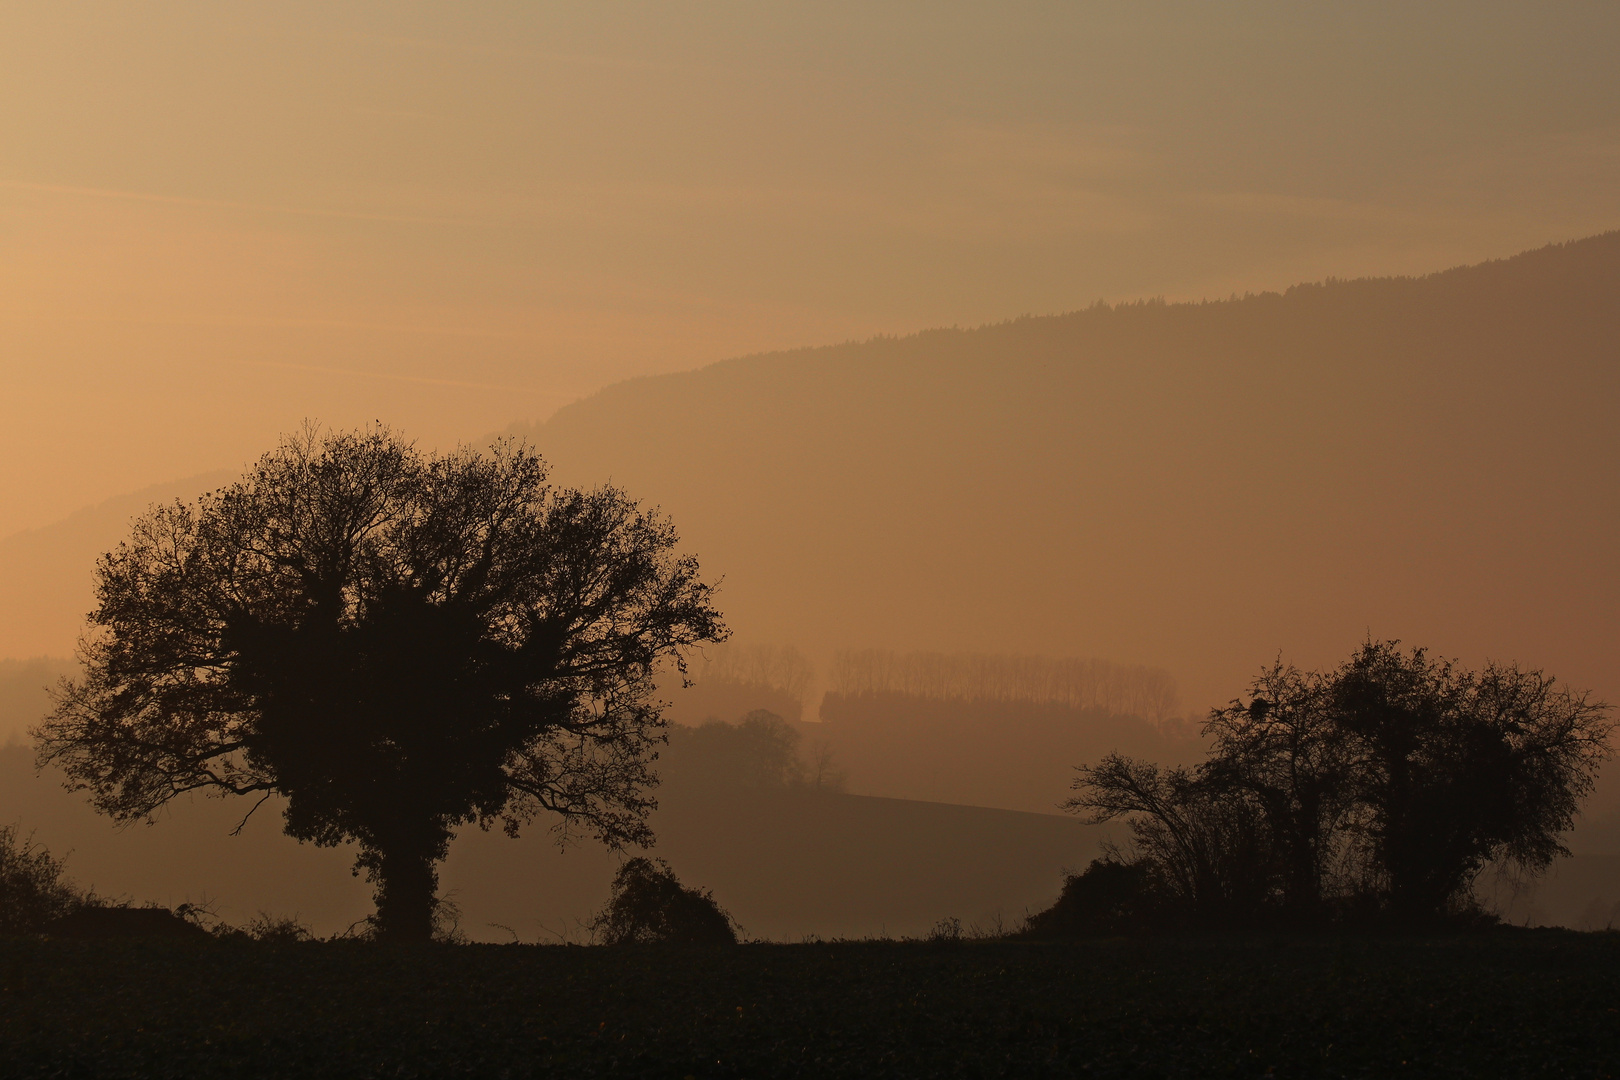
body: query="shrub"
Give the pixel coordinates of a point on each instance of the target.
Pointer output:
(1110, 898)
(34, 890)
(649, 904)
(277, 929)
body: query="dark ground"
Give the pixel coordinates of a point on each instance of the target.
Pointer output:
(1506, 1003)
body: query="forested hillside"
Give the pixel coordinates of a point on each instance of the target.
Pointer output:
(1196, 486)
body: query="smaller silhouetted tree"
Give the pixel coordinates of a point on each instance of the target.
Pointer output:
(1390, 783)
(649, 904)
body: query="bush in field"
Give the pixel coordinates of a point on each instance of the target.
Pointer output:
(1109, 899)
(34, 890)
(1384, 786)
(649, 904)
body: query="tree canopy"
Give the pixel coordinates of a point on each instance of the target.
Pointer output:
(398, 643)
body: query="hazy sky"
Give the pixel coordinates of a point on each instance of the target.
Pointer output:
(219, 218)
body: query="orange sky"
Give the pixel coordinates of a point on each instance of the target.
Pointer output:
(219, 219)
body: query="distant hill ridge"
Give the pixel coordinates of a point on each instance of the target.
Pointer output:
(1579, 264)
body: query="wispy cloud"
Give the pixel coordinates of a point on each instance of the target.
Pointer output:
(480, 48)
(393, 114)
(229, 204)
(388, 375)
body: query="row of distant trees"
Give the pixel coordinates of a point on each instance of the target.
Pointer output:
(779, 668)
(1076, 683)
(1120, 689)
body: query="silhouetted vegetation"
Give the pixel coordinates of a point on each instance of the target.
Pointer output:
(1380, 790)
(38, 899)
(398, 644)
(1109, 898)
(34, 888)
(273, 929)
(650, 905)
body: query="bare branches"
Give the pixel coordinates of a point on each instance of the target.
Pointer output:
(240, 825)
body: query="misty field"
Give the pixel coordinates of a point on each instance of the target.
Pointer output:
(1508, 1003)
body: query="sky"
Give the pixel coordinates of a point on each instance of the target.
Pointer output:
(219, 219)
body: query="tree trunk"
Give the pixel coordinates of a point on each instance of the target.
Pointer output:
(406, 897)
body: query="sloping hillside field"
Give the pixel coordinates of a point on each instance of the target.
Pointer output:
(787, 864)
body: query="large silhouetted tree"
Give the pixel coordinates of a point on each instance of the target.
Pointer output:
(397, 643)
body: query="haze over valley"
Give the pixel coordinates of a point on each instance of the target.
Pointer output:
(915, 533)
(1025, 380)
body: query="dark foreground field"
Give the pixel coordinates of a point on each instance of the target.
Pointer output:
(1502, 1004)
